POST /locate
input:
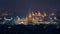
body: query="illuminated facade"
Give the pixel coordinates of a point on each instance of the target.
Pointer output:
(37, 18)
(34, 18)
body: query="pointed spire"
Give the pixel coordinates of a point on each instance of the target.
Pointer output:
(45, 13)
(26, 20)
(39, 14)
(18, 18)
(32, 13)
(34, 20)
(30, 16)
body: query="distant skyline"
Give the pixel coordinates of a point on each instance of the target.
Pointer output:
(21, 7)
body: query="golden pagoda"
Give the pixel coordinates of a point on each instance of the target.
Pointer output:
(34, 20)
(29, 16)
(39, 14)
(26, 20)
(45, 14)
(33, 14)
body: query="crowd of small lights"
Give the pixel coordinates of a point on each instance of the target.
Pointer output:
(31, 18)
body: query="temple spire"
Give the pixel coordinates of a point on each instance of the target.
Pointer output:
(39, 14)
(45, 13)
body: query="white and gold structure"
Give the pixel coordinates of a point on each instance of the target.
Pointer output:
(36, 18)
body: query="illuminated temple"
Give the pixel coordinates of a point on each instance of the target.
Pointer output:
(31, 18)
(37, 18)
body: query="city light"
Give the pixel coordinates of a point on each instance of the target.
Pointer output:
(34, 18)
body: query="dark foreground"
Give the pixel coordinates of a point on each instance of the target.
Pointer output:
(29, 29)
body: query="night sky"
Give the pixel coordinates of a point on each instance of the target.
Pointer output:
(22, 7)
